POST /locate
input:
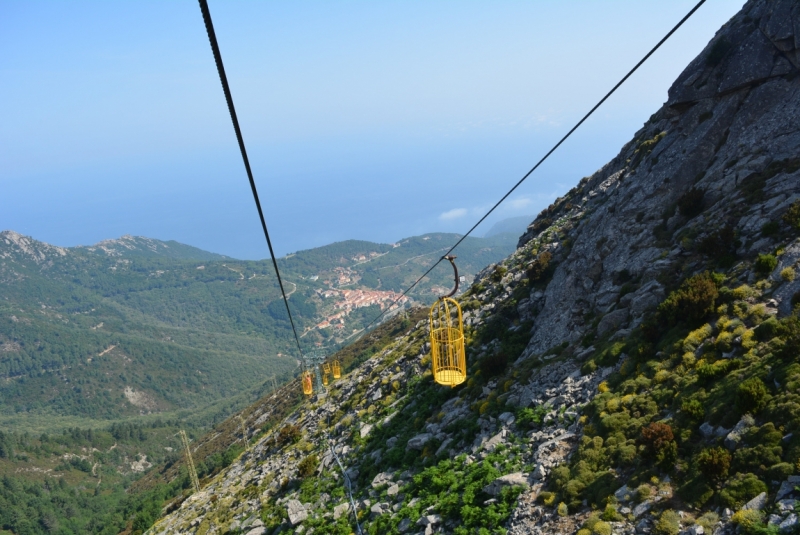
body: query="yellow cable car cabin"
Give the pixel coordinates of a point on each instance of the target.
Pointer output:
(326, 368)
(337, 369)
(308, 383)
(325, 379)
(448, 358)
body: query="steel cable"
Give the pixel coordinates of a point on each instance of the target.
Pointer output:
(541, 161)
(212, 37)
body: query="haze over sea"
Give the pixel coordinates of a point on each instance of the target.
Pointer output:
(363, 120)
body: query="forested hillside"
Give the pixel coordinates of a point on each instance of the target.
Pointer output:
(138, 326)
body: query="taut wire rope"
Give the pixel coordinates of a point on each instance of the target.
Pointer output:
(545, 157)
(212, 37)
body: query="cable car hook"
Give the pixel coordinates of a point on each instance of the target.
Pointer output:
(455, 272)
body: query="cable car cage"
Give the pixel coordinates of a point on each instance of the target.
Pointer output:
(448, 359)
(308, 383)
(337, 369)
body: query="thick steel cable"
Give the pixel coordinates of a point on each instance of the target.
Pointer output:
(212, 37)
(545, 157)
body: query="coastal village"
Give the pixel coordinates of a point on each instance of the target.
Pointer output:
(347, 300)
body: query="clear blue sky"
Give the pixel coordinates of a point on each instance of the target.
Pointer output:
(368, 120)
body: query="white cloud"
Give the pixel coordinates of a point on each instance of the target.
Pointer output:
(455, 213)
(519, 204)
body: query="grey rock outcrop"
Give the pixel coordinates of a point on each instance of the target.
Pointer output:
(296, 511)
(730, 115)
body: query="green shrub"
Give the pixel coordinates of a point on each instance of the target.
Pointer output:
(669, 523)
(790, 333)
(720, 245)
(494, 363)
(749, 520)
(601, 528)
(770, 228)
(768, 329)
(708, 520)
(690, 203)
(528, 417)
(693, 301)
(788, 274)
(752, 395)
(740, 489)
(765, 263)
(643, 492)
(499, 272)
(780, 471)
(308, 466)
(562, 509)
(714, 463)
(288, 434)
(610, 514)
(693, 409)
(792, 216)
(539, 267)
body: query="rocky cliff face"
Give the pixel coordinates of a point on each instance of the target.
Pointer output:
(616, 383)
(727, 134)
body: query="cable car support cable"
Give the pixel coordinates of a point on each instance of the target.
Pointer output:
(212, 37)
(545, 157)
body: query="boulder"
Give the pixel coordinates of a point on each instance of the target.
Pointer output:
(296, 511)
(418, 442)
(429, 520)
(623, 494)
(612, 321)
(443, 446)
(707, 430)
(383, 478)
(757, 503)
(787, 487)
(341, 509)
(493, 442)
(379, 508)
(789, 524)
(642, 508)
(507, 418)
(539, 473)
(404, 524)
(735, 436)
(365, 430)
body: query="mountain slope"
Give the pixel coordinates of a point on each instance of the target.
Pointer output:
(139, 326)
(633, 365)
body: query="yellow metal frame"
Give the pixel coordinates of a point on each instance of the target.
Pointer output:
(326, 368)
(448, 360)
(308, 383)
(337, 370)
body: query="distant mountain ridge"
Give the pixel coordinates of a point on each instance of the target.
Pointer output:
(126, 246)
(512, 225)
(133, 246)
